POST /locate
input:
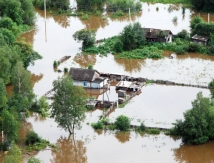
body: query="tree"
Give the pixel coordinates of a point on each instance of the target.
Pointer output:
(87, 36)
(198, 125)
(69, 101)
(196, 20)
(23, 91)
(9, 125)
(132, 36)
(122, 123)
(3, 97)
(14, 156)
(28, 12)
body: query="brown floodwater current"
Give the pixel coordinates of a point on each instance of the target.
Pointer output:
(157, 105)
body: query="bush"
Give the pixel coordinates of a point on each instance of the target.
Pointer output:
(118, 46)
(98, 125)
(183, 34)
(175, 19)
(32, 138)
(33, 160)
(153, 131)
(5, 146)
(210, 50)
(65, 70)
(90, 66)
(193, 47)
(142, 127)
(55, 64)
(122, 123)
(211, 84)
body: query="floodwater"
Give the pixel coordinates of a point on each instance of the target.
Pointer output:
(157, 105)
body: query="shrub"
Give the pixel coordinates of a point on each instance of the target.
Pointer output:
(33, 160)
(118, 46)
(85, 17)
(193, 47)
(211, 84)
(5, 146)
(32, 138)
(175, 19)
(142, 127)
(122, 123)
(153, 131)
(65, 70)
(210, 50)
(55, 64)
(90, 66)
(183, 34)
(98, 125)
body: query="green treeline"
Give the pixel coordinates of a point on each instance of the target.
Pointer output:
(112, 5)
(17, 16)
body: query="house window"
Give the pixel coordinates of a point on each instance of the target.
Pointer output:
(85, 84)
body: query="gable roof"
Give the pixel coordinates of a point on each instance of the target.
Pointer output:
(155, 33)
(82, 74)
(200, 38)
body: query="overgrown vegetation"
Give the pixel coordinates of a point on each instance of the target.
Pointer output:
(197, 126)
(34, 142)
(211, 84)
(86, 36)
(60, 6)
(185, 2)
(122, 123)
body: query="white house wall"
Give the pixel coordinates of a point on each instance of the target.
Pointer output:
(88, 85)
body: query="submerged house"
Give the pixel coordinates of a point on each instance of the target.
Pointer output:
(157, 35)
(87, 78)
(200, 39)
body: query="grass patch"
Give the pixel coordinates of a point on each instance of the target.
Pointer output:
(153, 131)
(186, 2)
(145, 52)
(123, 104)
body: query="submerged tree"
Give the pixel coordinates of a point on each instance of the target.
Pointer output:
(69, 101)
(86, 36)
(198, 124)
(132, 36)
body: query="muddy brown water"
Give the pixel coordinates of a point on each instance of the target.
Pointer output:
(157, 105)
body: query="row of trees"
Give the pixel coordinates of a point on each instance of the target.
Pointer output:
(52, 4)
(206, 5)
(112, 5)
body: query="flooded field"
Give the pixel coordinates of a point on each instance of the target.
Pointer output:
(157, 105)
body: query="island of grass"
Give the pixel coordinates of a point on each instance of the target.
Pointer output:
(131, 42)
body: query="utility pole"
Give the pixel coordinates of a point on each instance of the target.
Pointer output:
(45, 20)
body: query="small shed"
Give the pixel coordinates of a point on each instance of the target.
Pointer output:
(200, 39)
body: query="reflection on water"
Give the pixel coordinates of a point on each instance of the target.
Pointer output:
(195, 154)
(94, 22)
(85, 60)
(126, 17)
(123, 136)
(131, 65)
(36, 78)
(70, 150)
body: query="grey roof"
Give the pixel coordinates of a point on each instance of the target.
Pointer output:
(82, 74)
(200, 38)
(99, 79)
(155, 33)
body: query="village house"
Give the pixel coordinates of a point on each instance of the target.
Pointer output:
(87, 78)
(157, 35)
(200, 39)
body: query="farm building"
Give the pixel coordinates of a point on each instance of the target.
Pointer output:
(157, 35)
(200, 39)
(87, 78)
